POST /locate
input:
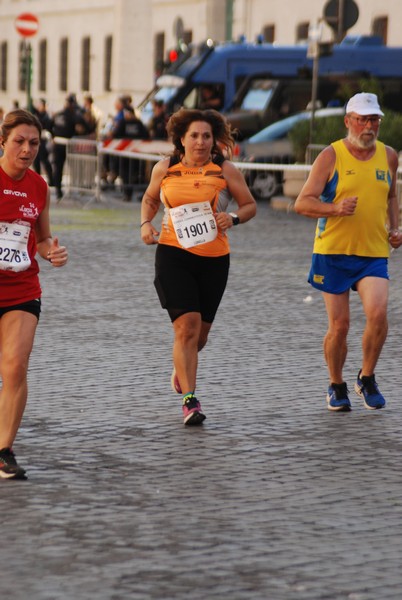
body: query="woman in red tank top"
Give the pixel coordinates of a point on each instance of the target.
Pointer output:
(24, 231)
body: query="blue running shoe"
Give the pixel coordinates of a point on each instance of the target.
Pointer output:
(367, 388)
(337, 397)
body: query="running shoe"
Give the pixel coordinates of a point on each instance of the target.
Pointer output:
(337, 397)
(367, 388)
(9, 468)
(192, 411)
(175, 383)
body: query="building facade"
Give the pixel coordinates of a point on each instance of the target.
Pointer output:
(110, 47)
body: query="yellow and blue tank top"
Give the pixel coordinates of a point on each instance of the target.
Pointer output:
(185, 185)
(364, 233)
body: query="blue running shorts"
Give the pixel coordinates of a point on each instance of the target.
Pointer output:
(337, 273)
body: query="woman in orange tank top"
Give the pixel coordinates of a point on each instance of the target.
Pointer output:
(192, 259)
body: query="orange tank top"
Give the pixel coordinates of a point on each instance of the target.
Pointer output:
(187, 185)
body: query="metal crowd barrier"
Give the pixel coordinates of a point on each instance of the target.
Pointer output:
(85, 171)
(81, 166)
(93, 166)
(128, 163)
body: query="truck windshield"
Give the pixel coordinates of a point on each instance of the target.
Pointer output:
(176, 77)
(164, 94)
(259, 94)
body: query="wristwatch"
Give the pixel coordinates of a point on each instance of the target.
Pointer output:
(235, 218)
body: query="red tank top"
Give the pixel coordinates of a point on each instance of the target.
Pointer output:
(21, 202)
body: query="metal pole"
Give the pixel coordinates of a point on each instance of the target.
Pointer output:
(314, 94)
(229, 20)
(28, 66)
(341, 17)
(99, 166)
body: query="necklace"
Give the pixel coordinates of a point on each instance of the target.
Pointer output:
(194, 166)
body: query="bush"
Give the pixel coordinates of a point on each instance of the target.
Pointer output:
(329, 129)
(391, 130)
(326, 130)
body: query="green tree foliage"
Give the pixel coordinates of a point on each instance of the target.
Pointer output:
(325, 131)
(329, 129)
(391, 130)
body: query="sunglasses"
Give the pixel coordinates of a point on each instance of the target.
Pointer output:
(374, 120)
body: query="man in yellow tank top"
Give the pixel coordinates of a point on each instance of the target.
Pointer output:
(351, 190)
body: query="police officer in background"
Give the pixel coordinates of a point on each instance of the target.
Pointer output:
(42, 158)
(128, 126)
(66, 124)
(158, 122)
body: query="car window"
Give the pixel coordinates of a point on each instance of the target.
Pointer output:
(278, 130)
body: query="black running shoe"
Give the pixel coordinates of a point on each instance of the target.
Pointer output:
(9, 468)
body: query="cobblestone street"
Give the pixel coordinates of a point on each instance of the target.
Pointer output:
(273, 498)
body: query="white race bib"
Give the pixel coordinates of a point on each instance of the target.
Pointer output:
(194, 224)
(14, 247)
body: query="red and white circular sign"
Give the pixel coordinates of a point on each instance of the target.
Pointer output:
(27, 24)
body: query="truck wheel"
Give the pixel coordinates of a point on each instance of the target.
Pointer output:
(265, 185)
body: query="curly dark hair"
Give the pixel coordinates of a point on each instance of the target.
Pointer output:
(17, 117)
(181, 120)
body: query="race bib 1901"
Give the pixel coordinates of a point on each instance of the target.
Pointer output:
(194, 224)
(14, 247)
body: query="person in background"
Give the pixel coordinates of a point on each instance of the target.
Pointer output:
(66, 124)
(351, 189)
(195, 185)
(42, 158)
(209, 98)
(157, 124)
(114, 125)
(115, 129)
(126, 125)
(24, 232)
(131, 170)
(92, 116)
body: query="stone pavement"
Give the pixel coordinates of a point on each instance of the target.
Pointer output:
(274, 498)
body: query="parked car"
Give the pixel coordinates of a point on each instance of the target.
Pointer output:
(272, 145)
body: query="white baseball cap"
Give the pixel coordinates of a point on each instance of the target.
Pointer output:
(364, 104)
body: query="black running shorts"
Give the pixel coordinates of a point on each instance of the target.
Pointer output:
(187, 282)
(33, 307)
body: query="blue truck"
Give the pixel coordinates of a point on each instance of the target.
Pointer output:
(257, 84)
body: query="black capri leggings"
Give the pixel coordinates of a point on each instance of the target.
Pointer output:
(187, 282)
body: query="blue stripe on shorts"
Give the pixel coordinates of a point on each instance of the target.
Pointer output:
(336, 273)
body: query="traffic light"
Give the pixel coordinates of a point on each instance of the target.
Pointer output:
(176, 55)
(24, 68)
(25, 72)
(173, 55)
